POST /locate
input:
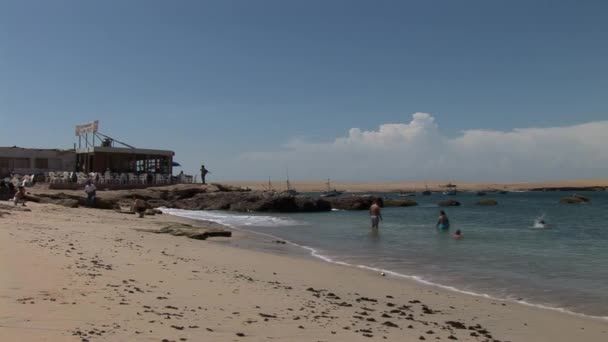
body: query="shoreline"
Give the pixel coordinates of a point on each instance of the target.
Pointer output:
(313, 254)
(104, 276)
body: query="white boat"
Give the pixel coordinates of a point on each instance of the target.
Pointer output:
(331, 192)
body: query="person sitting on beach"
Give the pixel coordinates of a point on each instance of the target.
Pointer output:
(20, 195)
(139, 206)
(458, 235)
(91, 192)
(443, 223)
(375, 214)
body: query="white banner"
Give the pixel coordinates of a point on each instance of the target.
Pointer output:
(90, 127)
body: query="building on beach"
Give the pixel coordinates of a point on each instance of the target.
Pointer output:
(97, 152)
(95, 156)
(124, 160)
(27, 161)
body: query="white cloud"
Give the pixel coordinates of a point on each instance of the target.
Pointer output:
(417, 151)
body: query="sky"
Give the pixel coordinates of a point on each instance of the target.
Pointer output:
(350, 90)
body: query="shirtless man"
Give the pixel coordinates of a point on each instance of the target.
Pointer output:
(375, 214)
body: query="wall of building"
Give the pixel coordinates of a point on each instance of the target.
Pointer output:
(33, 161)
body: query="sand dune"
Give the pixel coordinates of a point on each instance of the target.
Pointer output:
(315, 186)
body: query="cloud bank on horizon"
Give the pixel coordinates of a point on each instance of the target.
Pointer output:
(417, 151)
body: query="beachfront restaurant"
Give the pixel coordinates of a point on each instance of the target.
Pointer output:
(100, 159)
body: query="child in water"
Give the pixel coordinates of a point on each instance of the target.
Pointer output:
(458, 235)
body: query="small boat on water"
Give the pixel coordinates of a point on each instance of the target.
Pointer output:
(290, 190)
(406, 194)
(503, 192)
(480, 193)
(451, 189)
(331, 192)
(426, 191)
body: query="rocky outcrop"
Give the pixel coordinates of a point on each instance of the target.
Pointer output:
(572, 188)
(353, 202)
(449, 203)
(400, 203)
(487, 202)
(198, 233)
(574, 199)
(218, 197)
(252, 201)
(71, 201)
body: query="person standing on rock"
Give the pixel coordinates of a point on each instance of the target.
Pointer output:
(375, 214)
(204, 173)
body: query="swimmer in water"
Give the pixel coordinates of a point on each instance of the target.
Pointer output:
(443, 223)
(458, 235)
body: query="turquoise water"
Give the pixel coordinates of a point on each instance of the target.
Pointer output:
(501, 255)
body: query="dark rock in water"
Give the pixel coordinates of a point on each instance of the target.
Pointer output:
(487, 202)
(354, 202)
(574, 199)
(449, 203)
(400, 203)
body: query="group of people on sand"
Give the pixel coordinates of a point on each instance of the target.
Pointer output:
(443, 222)
(138, 206)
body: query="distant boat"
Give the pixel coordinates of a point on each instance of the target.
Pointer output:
(503, 192)
(451, 189)
(481, 193)
(290, 190)
(331, 192)
(406, 194)
(426, 192)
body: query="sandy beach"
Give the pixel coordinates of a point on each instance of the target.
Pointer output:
(362, 187)
(78, 274)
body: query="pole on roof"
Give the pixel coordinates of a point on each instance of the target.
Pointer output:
(120, 142)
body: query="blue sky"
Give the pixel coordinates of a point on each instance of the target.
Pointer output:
(222, 81)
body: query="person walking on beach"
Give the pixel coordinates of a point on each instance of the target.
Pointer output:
(443, 223)
(139, 206)
(375, 214)
(204, 173)
(91, 190)
(20, 195)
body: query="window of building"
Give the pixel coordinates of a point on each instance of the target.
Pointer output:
(21, 163)
(41, 163)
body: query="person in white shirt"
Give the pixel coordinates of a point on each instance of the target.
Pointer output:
(90, 190)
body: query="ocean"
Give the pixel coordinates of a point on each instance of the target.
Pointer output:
(504, 254)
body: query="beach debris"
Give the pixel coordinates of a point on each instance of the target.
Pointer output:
(390, 324)
(456, 325)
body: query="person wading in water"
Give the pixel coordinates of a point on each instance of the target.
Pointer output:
(375, 214)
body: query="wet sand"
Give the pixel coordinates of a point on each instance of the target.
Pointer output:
(93, 275)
